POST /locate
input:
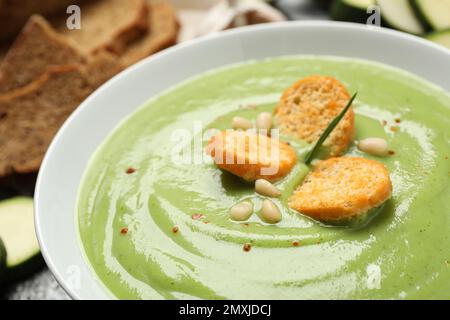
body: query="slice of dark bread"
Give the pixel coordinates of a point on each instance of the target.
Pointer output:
(102, 66)
(3, 50)
(107, 24)
(163, 32)
(30, 116)
(36, 48)
(47, 74)
(15, 13)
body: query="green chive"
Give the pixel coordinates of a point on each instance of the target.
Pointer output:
(328, 131)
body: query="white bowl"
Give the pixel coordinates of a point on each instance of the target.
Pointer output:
(68, 155)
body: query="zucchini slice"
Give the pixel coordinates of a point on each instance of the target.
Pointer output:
(440, 37)
(435, 14)
(19, 237)
(399, 14)
(351, 10)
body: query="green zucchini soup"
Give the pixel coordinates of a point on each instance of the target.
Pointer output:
(155, 228)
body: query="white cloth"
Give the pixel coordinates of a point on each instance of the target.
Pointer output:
(202, 17)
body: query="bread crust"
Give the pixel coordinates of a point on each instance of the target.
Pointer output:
(342, 188)
(309, 105)
(129, 33)
(163, 33)
(107, 25)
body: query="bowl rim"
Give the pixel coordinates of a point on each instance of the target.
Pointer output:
(38, 197)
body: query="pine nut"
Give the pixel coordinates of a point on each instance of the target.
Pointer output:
(270, 212)
(264, 121)
(241, 123)
(265, 188)
(374, 146)
(241, 211)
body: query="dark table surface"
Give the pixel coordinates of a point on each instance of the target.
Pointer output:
(42, 285)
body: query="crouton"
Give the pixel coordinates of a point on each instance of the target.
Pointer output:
(251, 156)
(307, 108)
(342, 188)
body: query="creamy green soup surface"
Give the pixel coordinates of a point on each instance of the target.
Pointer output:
(127, 219)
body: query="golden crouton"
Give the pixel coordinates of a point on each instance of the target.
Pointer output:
(307, 108)
(342, 188)
(251, 156)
